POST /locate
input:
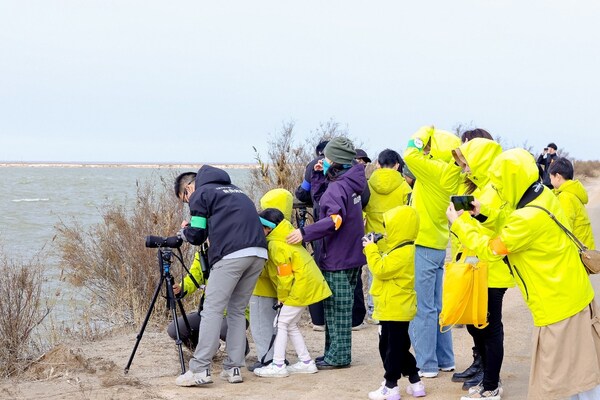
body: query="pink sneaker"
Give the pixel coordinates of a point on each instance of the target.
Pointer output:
(416, 389)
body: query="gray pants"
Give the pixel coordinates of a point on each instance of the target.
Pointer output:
(230, 286)
(262, 316)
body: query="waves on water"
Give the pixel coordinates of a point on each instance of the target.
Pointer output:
(29, 200)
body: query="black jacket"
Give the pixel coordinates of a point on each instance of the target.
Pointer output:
(222, 212)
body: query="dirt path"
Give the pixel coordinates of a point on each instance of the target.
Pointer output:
(94, 370)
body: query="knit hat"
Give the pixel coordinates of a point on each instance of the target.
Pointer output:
(340, 150)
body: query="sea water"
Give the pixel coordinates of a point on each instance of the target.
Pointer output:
(33, 200)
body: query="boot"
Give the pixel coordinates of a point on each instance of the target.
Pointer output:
(471, 371)
(474, 381)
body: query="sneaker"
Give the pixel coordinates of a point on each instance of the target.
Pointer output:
(479, 388)
(372, 321)
(481, 394)
(232, 375)
(303, 368)
(428, 374)
(359, 327)
(194, 378)
(449, 369)
(319, 328)
(416, 389)
(385, 393)
(272, 371)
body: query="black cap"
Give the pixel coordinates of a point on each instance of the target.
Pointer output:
(360, 153)
(553, 146)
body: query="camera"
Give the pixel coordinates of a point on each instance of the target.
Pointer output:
(173, 242)
(375, 237)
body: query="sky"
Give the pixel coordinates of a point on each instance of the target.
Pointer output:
(199, 81)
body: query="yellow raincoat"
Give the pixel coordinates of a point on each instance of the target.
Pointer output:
(573, 198)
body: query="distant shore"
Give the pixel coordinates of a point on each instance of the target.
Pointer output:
(123, 165)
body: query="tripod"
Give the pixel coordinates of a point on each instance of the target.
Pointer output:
(164, 264)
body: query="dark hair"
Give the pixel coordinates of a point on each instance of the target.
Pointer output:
(553, 145)
(562, 167)
(388, 158)
(320, 147)
(272, 215)
(182, 181)
(475, 133)
(336, 169)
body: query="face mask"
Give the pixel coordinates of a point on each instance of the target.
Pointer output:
(326, 166)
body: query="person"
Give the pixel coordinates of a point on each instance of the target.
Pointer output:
(483, 376)
(362, 157)
(565, 359)
(546, 159)
(341, 227)
(395, 300)
(573, 198)
(360, 307)
(428, 156)
(310, 191)
(187, 287)
(222, 212)
(388, 190)
(264, 296)
(299, 283)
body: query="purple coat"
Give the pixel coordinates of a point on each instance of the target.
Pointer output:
(342, 248)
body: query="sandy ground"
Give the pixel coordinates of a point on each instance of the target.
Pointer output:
(94, 370)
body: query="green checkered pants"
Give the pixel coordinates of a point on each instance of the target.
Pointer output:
(338, 315)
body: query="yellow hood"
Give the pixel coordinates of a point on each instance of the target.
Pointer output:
(385, 180)
(401, 225)
(280, 199)
(442, 144)
(512, 173)
(480, 154)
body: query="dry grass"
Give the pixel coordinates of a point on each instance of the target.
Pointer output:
(22, 310)
(110, 261)
(586, 169)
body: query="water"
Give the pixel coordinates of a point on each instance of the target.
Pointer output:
(33, 200)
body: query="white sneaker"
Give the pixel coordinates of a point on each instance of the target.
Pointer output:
(272, 371)
(428, 374)
(303, 368)
(385, 393)
(416, 389)
(319, 328)
(479, 388)
(359, 327)
(481, 394)
(232, 375)
(194, 378)
(449, 369)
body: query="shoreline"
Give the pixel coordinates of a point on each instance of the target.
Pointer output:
(123, 165)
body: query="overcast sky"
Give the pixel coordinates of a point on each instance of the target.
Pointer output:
(199, 81)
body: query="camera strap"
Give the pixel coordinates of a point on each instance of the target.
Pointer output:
(401, 245)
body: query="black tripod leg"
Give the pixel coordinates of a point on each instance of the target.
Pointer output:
(171, 303)
(141, 333)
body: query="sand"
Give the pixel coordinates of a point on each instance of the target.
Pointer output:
(94, 370)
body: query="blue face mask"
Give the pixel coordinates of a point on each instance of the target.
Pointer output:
(326, 166)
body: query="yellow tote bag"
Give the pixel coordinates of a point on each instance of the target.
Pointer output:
(464, 296)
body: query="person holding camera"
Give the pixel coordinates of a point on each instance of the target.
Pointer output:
(341, 227)
(299, 283)
(545, 160)
(238, 250)
(395, 299)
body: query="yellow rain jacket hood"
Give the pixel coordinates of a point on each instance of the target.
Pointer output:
(543, 260)
(573, 198)
(293, 271)
(282, 200)
(480, 153)
(388, 190)
(437, 180)
(393, 287)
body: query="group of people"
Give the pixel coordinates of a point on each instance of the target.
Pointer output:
(259, 259)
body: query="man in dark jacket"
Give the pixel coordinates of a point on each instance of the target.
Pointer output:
(545, 160)
(341, 228)
(237, 253)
